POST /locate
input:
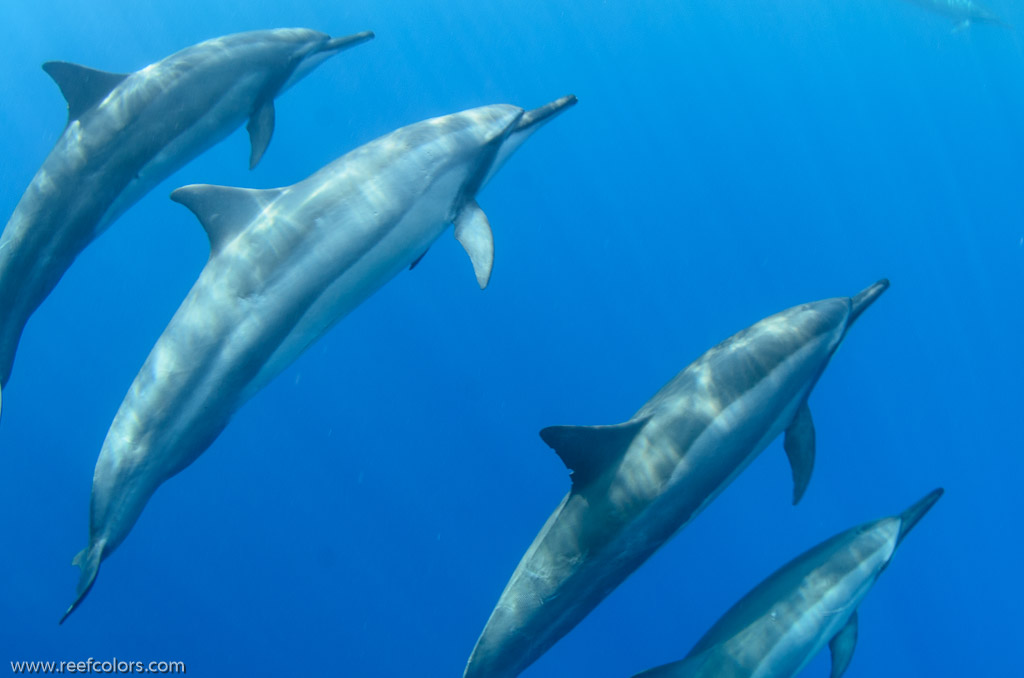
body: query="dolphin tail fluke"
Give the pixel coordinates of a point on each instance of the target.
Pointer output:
(910, 517)
(89, 560)
(865, 298)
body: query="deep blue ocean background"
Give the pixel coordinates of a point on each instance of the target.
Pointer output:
(727, 159)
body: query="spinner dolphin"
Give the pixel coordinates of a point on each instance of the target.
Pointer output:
(285, 265)
(636, 484)
(125, 134)
(776, 629)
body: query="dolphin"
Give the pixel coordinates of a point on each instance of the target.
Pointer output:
(637, 483)
(963, 12)
(127, 133)
(285, 265)
(777, 628)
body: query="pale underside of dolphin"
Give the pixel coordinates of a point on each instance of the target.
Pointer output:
(285, 265)
(776, 629)
(636, 484)
(963, 12)
(125, 134)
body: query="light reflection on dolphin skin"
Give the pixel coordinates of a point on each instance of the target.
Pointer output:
(285, 265)
(127, 133)
(963, 12)
(636, 484)
(776, 629)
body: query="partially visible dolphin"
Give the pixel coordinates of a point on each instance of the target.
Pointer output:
(285, 265)
(636, 484)
(963, 12)
(125, 134)
(777, 628)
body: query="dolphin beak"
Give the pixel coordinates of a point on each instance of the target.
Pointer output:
(539, 116)
(337, 44)
(865, 298)
(912, 515)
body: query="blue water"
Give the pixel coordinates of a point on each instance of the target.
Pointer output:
(727, 159)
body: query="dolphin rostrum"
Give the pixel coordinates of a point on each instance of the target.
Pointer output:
(636, 484)
(285, 265)
(125, 134)
(963, 12)
(777, 628)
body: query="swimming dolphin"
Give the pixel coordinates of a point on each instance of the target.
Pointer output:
(777, 628)
(125, 134)
(285, 265)
(636, 484)
(963, 12)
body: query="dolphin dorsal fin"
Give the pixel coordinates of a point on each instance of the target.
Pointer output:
(587, 451)
(842, 646)
(799, 445)
(224, 211)
(81, 86)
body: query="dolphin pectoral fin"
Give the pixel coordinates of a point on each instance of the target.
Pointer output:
(261, 128)
(842, 646)
(799, 446)
(89, 560)
(587, 451)
(961, 26)
(473, 232)
(224, 210)
(82, 87)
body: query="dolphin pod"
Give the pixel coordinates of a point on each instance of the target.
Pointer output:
(637, 483)
(777, 628)
(285, 265)
(127, 133)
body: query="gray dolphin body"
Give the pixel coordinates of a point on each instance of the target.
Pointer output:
(635, 484)
(963, 12)
(777, 628)
(285, 265)
(125, 134)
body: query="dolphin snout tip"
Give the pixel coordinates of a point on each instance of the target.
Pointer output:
(346, 41)
(565, 102)
(913, 515)
(539, 116)
(866, 297)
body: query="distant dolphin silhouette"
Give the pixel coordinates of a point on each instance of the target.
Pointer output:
(777, 628)
(285, 265)
(636, 484)
(125, 134)
(963, 12)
